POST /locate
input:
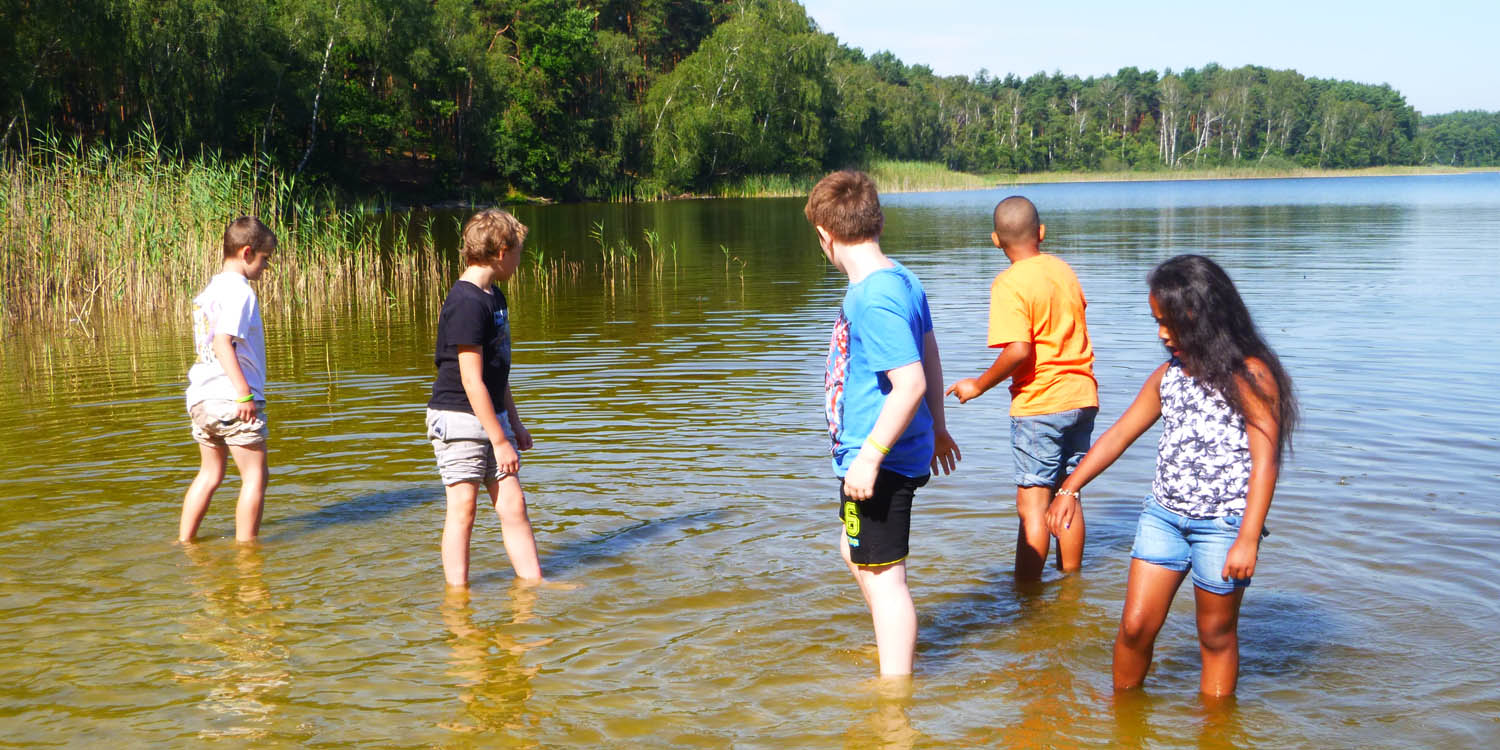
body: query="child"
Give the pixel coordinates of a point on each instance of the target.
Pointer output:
(226, 385)
(1227, 410)
(1037, 316)
(471, 417)
(883, 388)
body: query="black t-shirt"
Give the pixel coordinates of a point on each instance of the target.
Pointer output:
(471, 317)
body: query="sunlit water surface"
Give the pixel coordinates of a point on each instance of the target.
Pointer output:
(683, 503)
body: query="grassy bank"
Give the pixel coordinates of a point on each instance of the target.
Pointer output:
(1222, 173)
(91, 232)
(908, 177)
(890, 176)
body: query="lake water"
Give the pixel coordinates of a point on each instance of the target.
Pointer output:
(683, 503)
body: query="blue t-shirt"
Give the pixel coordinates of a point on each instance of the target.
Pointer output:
(880, 327)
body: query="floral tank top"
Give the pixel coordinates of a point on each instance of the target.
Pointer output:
(1203, 458)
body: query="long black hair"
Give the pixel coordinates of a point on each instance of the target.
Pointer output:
(1214, 335)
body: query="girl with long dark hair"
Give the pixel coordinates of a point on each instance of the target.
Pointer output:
(1227, 410)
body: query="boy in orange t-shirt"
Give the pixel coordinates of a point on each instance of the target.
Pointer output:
(1037, 316)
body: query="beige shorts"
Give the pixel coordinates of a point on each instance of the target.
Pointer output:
(216, 424)
(462, 447)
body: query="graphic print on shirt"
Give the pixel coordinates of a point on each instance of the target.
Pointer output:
(502, 332)
(203, 331)
(833, 380)
(1203, 456)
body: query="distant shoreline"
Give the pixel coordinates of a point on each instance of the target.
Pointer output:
(927, 177)
(1039, 178)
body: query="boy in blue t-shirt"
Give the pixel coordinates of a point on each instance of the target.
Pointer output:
(884, 399)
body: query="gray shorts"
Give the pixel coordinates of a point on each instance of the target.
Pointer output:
(462, 447)
(216, 424)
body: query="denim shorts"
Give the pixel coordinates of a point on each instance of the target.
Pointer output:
(462, 447)
(1176, 542)
(1046, 447)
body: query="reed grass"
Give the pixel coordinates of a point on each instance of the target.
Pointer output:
(921, 176)
(90, 231)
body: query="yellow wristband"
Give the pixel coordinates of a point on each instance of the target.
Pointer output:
(244, 398)
(884, 451)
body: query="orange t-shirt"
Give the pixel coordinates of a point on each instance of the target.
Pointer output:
(1039, 300)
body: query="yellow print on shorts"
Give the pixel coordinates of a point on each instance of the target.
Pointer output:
(851, 519)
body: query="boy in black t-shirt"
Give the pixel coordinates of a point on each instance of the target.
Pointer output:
(471, 417)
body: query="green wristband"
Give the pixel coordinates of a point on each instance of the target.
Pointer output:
(244, 398)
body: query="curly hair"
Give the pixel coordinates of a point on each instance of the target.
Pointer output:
(489, 233)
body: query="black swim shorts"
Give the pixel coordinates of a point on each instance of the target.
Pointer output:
(878, 529)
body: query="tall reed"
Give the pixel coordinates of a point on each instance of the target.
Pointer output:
(88, 231)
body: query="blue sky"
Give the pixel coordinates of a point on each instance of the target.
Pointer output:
(1442, 55)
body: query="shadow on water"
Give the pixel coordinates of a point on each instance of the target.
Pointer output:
(982, 609)
(355, 510)
(612, 545)
(1002, 603)
(1281, 632)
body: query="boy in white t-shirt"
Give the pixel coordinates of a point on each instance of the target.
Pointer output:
(226, 384)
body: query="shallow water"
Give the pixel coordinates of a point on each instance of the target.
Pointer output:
(684, 507)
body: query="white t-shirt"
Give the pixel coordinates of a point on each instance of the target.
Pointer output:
(227, 305)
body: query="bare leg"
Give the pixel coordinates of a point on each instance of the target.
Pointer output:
(1148, 596)
(515, 527)
(457, 528)
(1032, 537)
(1070, 543)
(892, 611)
(250, 460)
(195, 502)
(1219, 640)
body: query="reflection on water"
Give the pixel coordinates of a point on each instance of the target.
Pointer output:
(680, 482)
(488, 666)
(239, 620)
(882, 721)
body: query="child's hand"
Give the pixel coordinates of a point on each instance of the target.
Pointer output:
(506, 457)
(523, 437)
(1061, 513)
(1240, 562)
(966, 390)
(859, 483)
(245, 410)
(945, 453)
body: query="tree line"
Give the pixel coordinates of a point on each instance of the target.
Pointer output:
(576, 99)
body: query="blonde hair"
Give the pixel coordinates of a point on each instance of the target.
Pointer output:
(490, 233)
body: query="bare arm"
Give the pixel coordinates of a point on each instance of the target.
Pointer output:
(1005, 364)
(1263, 432)
(908, 388)
(223, 346)
(523, 435)
(471, 374)
(945, 454)
(1142, 413)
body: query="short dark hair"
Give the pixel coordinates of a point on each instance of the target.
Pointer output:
(489, 233)
(248, 230)
(847, 205)
(1016, 221)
